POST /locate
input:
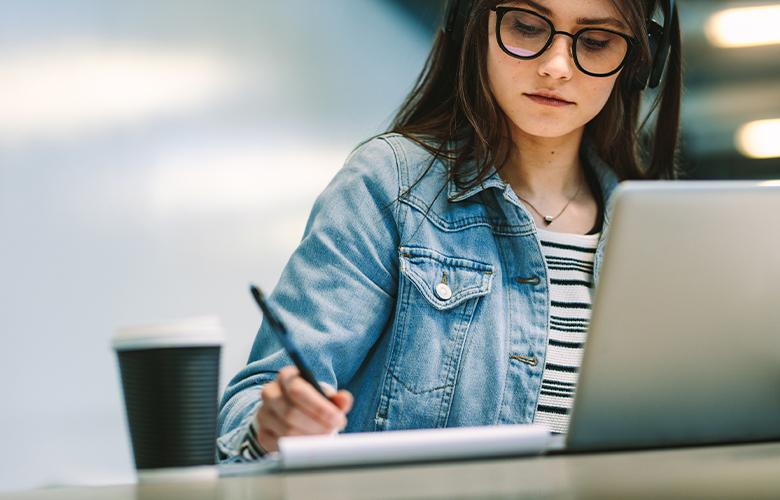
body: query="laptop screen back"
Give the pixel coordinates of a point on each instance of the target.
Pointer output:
(684, 342)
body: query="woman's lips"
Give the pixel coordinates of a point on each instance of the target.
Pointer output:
(548, 101)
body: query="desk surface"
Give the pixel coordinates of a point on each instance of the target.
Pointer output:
(741, 471)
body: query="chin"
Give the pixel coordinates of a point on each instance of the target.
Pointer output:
(548, 131)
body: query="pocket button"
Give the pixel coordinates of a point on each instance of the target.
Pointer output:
(443, 291)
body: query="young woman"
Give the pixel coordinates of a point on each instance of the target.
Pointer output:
(445, 274)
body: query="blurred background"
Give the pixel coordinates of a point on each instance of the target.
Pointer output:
(155, 157)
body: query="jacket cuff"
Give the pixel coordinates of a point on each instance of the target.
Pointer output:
(240, 445)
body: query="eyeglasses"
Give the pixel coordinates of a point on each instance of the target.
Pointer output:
(524, 34)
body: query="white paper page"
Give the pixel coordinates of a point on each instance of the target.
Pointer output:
(366, 448)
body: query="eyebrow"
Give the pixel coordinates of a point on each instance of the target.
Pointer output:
(584, 21)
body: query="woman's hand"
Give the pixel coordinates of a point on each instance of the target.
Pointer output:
(292, 407)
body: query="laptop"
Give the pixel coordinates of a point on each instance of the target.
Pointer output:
(684, 341)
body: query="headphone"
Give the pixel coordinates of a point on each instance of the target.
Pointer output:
(659, 38)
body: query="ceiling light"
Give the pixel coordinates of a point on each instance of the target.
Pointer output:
(759, 139)
(744, 26)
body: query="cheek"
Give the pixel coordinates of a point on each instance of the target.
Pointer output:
(507, 77)
(495, 71)
(598, 93)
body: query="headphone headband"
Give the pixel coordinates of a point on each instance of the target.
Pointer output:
(457, 15)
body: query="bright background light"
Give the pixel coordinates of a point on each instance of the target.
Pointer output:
(71, 88)
(155, 157)
(759, 139)
(744, 26)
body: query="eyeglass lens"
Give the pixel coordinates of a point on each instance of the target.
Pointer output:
(597, 51)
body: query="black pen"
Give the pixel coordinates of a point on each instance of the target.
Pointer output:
(281, 333)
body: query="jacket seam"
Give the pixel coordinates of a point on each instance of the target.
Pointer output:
(382, 410)
(398, 158)
(456, 362)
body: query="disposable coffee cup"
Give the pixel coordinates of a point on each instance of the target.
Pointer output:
(170, 381)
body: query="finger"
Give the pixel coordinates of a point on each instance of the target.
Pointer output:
(343, 400)
(307, 424)
(271, 391)
(286, 373)
(311, 402)
(271, 395)
(269, 420)
(296, 418)
(327, 389)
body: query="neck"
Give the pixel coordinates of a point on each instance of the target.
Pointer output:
(545, 168)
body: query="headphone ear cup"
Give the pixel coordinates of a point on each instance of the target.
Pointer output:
(644, 73)
(660, 57)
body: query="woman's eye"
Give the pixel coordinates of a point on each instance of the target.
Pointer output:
(593, 44)
(527, 29)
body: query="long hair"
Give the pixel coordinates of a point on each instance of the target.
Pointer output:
(452, 112)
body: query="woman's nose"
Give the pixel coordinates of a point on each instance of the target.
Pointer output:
(557, 61)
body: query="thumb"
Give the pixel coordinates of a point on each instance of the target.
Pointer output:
(327, 389)
(343, 399)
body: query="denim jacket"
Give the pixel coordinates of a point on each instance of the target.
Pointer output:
(423, 303)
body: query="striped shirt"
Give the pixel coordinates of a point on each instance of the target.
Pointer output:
(569, 259)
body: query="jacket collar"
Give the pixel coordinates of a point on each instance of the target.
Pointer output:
(491, 181)
(604, 173)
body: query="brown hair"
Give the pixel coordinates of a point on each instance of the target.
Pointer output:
(453, 114)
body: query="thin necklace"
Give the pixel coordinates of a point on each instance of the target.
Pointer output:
(549, 219)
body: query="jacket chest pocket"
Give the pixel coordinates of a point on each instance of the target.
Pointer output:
(438, 299)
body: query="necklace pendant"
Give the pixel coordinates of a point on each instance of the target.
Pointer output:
(548, 219)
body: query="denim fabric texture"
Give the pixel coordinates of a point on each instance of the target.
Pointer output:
(423, 303)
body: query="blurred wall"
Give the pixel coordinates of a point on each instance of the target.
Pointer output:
(156, 157)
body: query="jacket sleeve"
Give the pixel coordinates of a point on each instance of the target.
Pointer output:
(335, 294)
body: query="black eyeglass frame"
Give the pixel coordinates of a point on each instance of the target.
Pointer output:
(632, 42)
